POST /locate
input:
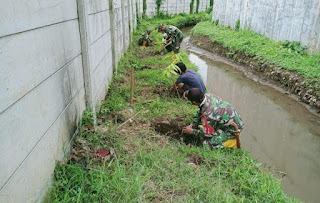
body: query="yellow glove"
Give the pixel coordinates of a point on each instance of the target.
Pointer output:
(174, 57)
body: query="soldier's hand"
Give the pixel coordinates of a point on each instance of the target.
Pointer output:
(187, 130)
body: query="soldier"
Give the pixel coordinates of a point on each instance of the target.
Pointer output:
(174, 33)
(218, 114)
(188, 79)
(144, 40)
(168, 44)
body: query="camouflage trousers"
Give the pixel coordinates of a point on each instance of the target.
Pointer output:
(219, 137)
(177, 43)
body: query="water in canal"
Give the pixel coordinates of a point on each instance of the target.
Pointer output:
(279, 132)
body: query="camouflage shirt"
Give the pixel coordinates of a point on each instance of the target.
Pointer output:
(174, 32)
(219, 114)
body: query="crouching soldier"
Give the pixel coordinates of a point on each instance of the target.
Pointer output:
(216, 122)
(144, 40)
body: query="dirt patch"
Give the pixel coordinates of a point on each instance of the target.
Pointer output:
(292, 82)
(197, 159)
(166, 91)
(146, 53)
(173, 129)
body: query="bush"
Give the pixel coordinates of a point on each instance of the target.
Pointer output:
(209, 10)
(295, 46)
(217, 22)
(237, 27)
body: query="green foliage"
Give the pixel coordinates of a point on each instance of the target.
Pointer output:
(197, 6)
(209, 10)
(237, 27)
(191, 6)
(211, 2)
(170, 70)
(295, 46)
(144, 8)
(158, 3)
(87, 117)
(183, 20)
(288, 55)
(217, 22)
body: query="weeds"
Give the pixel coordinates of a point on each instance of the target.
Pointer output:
(237, 27)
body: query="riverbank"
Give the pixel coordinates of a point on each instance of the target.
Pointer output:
(286, 64)
(145, 156)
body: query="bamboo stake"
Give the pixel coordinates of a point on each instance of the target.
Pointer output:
(132, 77)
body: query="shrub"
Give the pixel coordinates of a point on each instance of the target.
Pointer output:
(237, 27)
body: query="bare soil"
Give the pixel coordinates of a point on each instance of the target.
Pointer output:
(173, 129)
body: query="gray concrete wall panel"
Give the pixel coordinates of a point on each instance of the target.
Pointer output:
(32, 14)
(41, 53)
(30, 183)
(24, 124)
(294, 20)
(99, 24)
(96, 6)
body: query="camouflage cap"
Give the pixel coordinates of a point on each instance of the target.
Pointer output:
(149, 30)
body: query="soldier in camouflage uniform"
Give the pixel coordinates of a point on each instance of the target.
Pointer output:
(175, 34)
(219, 114)
(144, 40)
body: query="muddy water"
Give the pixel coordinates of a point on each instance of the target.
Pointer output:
(279, 132)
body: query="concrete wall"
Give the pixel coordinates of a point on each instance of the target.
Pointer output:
(172, 6)
(55, 57)
(50, 58)
(294, 20)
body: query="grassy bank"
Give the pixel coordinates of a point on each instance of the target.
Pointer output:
(289, 55)
(287, 63)
(149, 160)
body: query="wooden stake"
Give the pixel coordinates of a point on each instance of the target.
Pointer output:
(236, 134)
(132, 77)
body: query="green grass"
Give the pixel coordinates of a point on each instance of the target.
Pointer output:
(262, 48)
(146, 166)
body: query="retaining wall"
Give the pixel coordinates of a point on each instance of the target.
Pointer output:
(294, 20)
(56, 59)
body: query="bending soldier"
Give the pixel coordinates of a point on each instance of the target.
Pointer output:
(174, 33)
